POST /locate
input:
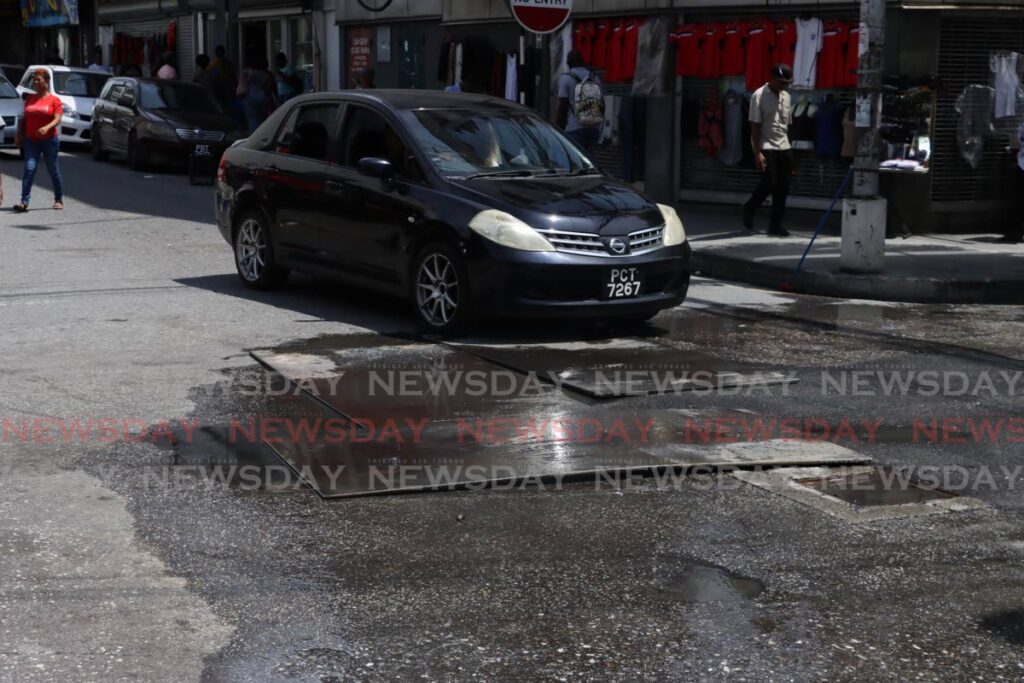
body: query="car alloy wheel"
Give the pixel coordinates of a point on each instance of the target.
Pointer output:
(437, 290)
(251, 250)
(98, 152)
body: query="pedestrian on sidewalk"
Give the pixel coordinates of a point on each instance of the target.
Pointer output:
(37, 136)
(580, 103)
(771, 114)
(167, 72)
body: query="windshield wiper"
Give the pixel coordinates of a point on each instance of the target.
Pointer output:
(501, 174)
(585, 171)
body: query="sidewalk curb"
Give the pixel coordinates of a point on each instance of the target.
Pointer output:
(879, 287)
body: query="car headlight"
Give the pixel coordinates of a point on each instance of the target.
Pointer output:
(674, 232)
(158, 130)
(69, 113)
(508, 231)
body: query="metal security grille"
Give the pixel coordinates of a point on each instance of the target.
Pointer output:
(185, 47)
(815, 177)
(965, 44)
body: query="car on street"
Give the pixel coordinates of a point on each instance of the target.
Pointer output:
(13, 72)
(77, 90)
(11, 108)
(154, 121)
(467, 205)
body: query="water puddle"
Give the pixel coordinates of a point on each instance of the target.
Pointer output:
(692, 581)
(880, 486)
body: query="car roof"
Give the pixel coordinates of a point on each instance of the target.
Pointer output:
(58, 67)
(400, 100)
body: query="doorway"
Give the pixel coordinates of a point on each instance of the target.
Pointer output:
(254, 43)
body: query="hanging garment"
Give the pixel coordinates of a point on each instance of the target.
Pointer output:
(602, 34)
(974, 124)
(758, 57)
(852, 56)
(650, 56)
(630, 45)
(849, 134)
(784, 47)
(710, 51)
(616, 44)
(512, 77)
(808, 45)
(687, 42)
(1006, 82)
(828, 131)
(732, 61)
(582, 39)
(458, 64)
(709, 129)
(831, 60)
(732, 145)
(803, 120)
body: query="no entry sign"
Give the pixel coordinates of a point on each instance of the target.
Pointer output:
(541, 16)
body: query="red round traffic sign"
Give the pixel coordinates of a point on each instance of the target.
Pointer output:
(541, 16)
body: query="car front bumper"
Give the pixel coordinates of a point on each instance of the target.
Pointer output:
(76, 130)
(510, 282)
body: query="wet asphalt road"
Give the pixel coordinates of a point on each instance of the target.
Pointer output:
(125, 307)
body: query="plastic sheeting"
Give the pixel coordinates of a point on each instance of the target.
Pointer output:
(974, 124)
(652, 63)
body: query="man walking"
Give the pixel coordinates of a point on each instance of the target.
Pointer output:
(580, 103)
(771, 113)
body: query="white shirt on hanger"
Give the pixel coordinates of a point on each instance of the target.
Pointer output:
(808, 45)
(1006, 82)
(511, 78)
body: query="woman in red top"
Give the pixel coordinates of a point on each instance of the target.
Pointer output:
(37, 136)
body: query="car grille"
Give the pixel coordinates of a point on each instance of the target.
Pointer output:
(640, 242)
(10, 120)
(85, 117)
(199, 135)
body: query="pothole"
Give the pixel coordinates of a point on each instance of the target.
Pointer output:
(691, 581)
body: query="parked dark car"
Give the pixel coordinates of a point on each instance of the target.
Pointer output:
(464, 204)
(158, 122)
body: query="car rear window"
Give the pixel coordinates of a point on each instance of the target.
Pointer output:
(77, 84)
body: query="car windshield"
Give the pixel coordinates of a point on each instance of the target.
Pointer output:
(177, 96)
(78, 84)
(462, 142)
(7, 90)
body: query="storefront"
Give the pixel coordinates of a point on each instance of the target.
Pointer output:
(139, 34)
(263, 32)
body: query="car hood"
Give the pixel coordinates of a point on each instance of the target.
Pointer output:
(591, 204)
(195, 119)
(11, 106)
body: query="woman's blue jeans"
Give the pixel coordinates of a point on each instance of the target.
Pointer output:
(48, 149)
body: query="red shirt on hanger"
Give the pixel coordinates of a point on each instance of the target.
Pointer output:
(602, 33)
(733, 35)
(710, 51)
(630, 44)
(582, 39)
(687, 42)
(831, 59)
(852, 57)
(784, 47)
(615, 46)
(760, 38)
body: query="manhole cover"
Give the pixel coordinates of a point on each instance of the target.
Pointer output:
(876, 487)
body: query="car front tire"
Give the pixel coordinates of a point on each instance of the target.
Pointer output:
(441, 293)
(254, 253)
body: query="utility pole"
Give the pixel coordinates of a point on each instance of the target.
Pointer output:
(864, 216)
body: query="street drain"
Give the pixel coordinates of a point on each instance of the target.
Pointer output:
(700, 582)
(881, 486)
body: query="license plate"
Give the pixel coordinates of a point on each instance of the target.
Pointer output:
(202, 151)
(622, 283)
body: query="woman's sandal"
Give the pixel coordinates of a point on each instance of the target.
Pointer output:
(59, 206)
(20, 208)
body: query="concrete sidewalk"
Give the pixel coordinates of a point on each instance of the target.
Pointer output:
(924, 269)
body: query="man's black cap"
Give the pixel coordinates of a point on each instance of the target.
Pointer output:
(782, 72)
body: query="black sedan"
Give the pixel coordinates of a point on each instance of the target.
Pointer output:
(467, 205)
(153, 121)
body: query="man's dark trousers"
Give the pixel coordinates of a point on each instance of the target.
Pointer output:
(775, 182)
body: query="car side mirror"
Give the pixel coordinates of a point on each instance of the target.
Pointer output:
(125, 101)
(376, 167)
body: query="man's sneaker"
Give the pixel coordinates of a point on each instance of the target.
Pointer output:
(778, 232)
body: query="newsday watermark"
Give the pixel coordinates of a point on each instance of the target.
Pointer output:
(384, 382)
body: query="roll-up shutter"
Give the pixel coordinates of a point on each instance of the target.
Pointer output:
(965, 44)
(185, 46)
(143, 28)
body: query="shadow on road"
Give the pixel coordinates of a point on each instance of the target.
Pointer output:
(163, 193)
(321, 299)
